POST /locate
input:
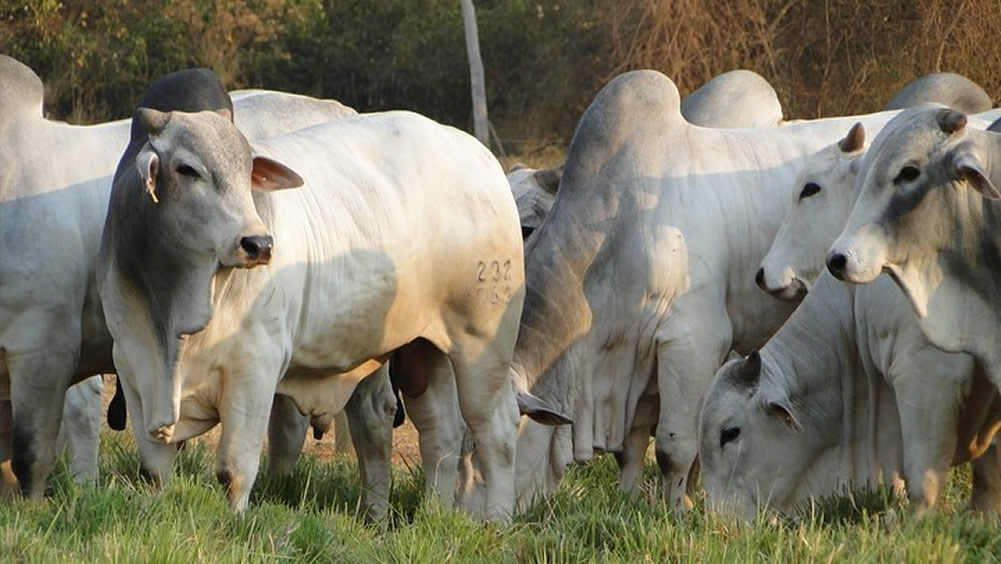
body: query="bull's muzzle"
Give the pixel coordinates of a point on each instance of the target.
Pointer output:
(837, 263)
(258, 249)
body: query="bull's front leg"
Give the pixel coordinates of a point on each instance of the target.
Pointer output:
(82, 416)
(633, 456)
(928, 425)
(687, 358)
(435, 414)
(286, 435)
(243, 413)
(370, 413)
(156, 458)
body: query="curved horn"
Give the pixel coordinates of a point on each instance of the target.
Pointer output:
(950, 121)
(748, 370)
(153, 121)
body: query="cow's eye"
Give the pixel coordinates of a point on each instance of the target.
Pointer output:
(810, 189)
(187, 170)
(728, 434)
(907, 174)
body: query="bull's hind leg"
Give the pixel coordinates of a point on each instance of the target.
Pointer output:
(286, 435)
(38, 382)
(427, 382)
(370, 413)
(487, 401)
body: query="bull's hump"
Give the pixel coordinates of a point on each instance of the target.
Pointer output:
(623, 117)
(20, 88)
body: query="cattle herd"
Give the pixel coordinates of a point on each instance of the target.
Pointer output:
(699, 271)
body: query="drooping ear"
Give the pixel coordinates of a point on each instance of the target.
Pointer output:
(549, 178)
(747, 372)
(148, 163)
(854, 141)
(950, 121)
(782, 410)
(969, 168)
(153, 121)
(226, 114)
(540, 410)
(269, 175)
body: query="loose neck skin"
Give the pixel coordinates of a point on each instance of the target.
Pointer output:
(171, 285)
(815, 360)
(959, 279)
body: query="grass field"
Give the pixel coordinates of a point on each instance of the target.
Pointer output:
(310, 517)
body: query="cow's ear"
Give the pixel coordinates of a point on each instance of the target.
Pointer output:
(782, 411)
(540, 410)
(854, 141)
(148, 163)
(968, 168)
(269, 175)
(549, 178)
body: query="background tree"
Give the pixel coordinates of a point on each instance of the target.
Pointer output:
(476, 79)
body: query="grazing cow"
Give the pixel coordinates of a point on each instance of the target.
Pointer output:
(948, 88)
(926, 213)
(847, 393)
(638, 283)
(733, 100)
(359, 262)
(52, 329)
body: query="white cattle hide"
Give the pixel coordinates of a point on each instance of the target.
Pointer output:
(365, 259)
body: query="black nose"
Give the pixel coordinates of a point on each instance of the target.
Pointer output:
(836, 263)
(257, 247)
(759, 278)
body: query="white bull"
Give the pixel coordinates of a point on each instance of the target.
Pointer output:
(364, 259)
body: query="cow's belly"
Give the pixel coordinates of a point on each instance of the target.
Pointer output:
(360, 310)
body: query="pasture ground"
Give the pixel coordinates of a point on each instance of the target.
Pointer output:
(310, 517)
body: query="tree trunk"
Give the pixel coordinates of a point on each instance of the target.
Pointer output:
(476, 79)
